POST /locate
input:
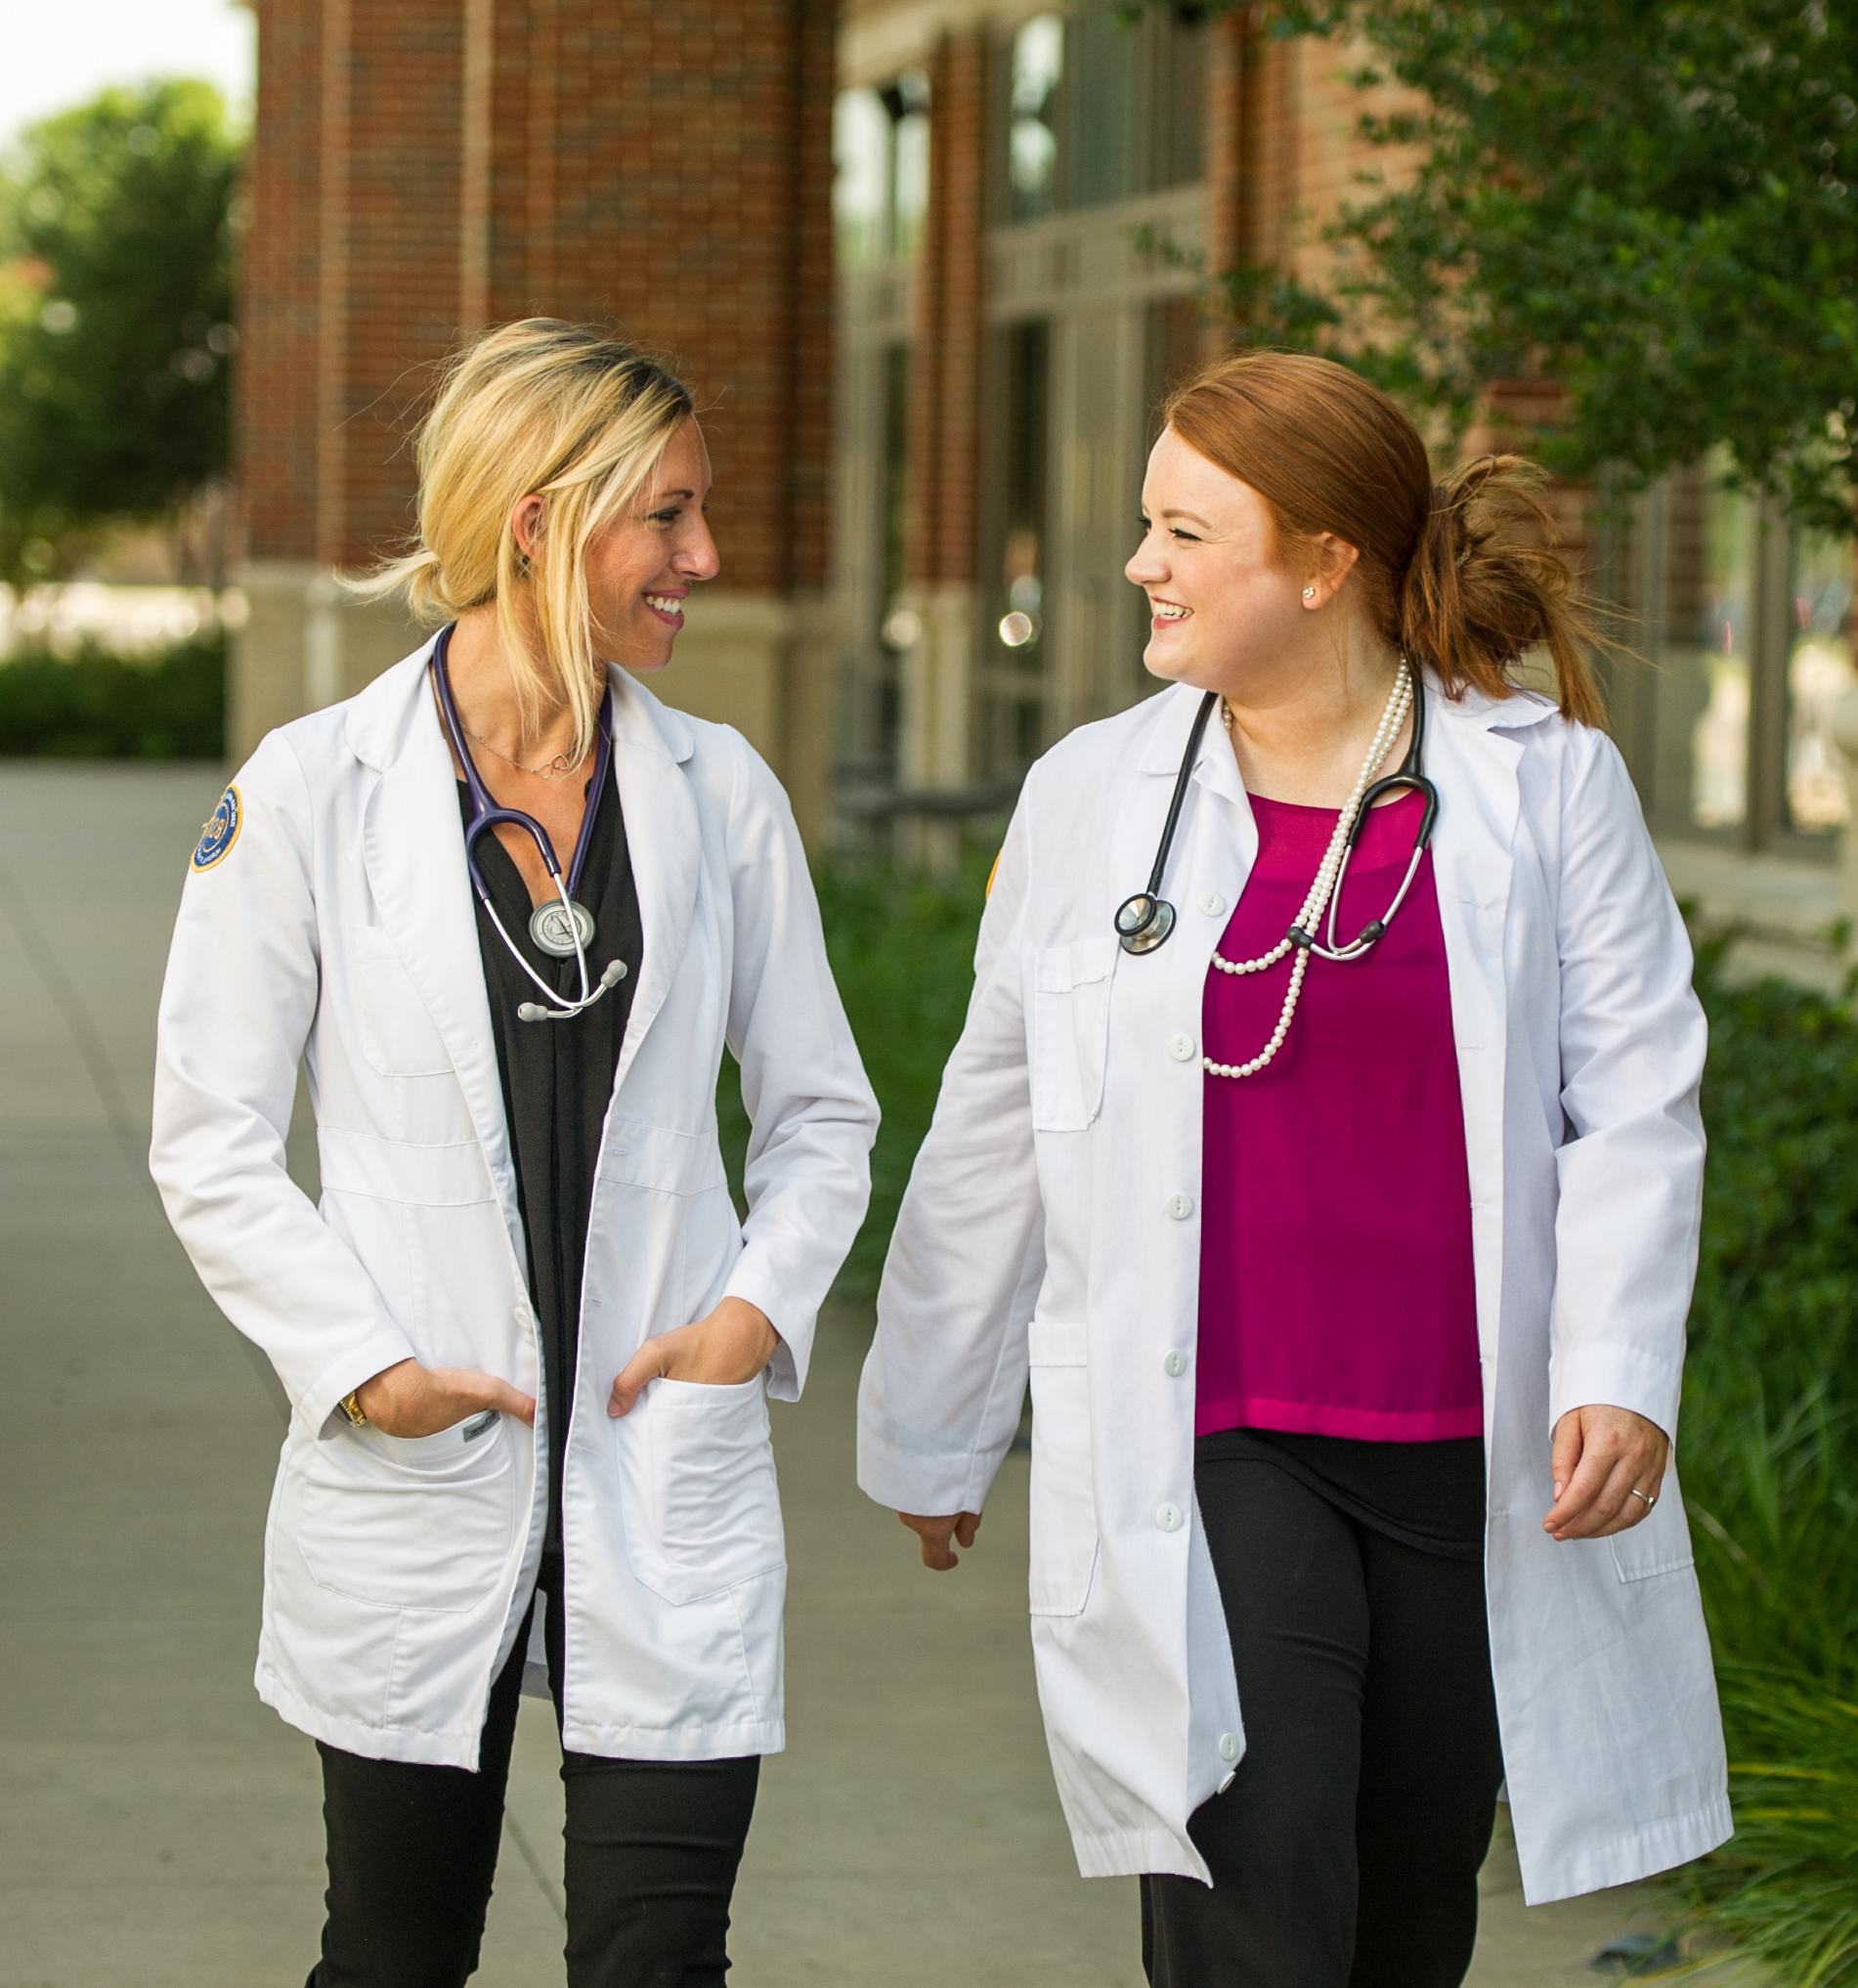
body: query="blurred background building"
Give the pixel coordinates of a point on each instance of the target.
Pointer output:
(426, 168)
(930, 264)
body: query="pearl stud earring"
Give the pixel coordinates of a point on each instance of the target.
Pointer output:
(1309, 593)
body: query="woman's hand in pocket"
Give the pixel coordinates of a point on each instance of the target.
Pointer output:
(410, 1400)
(732, 1345)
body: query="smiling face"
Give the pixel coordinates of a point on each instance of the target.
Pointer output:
(643, 565)
(1222, 615)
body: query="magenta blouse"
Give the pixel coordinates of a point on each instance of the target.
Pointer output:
(1336, 1291)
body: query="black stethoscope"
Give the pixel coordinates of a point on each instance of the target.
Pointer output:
(564, 928)
(1144, 919)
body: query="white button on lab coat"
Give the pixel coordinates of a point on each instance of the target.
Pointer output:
(1039, 1235)
(338, 930)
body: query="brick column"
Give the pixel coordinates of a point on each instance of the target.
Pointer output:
(431, 167)
(274, 380)
(938, 731)
(391, 189)
(945, 377)
(274, 405)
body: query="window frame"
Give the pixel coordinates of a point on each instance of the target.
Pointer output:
(1633, 539)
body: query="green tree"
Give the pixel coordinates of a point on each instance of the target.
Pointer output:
(114, 318)
(1653, 202)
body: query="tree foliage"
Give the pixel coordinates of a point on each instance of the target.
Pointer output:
(114, 308)
(1652, 202)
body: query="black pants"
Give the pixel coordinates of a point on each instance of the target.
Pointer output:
(652, 1852)
(1345, 1852)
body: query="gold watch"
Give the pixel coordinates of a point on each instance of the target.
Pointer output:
(353, 1409)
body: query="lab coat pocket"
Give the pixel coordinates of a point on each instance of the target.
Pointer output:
(399, 1036)
(422, 1522)
(1660, 1543)
(1064, 1546)
(715, 1507)
(1069, 1033)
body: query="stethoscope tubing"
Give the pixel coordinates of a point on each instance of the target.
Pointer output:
(487, 813)
(1144, 921)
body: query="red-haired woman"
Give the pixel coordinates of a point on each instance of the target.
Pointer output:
(1339, 1186)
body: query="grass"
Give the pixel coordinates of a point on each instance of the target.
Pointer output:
(1770, 1449)
(902, 949)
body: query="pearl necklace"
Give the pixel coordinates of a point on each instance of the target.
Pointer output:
(1302, 934)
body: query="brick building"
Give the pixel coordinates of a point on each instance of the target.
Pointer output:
(902, 246)
(1003, 338)
(429, 168)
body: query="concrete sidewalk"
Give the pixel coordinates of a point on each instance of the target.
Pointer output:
(161, 1829)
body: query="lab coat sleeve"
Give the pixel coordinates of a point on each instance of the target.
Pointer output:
(940, 1397)
(1631, 1169)
(236, 1011)
(807, 1174)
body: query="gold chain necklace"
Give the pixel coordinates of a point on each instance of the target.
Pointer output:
(556, 768)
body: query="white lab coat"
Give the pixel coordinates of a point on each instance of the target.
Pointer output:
(338, 928)
(1053, 1222)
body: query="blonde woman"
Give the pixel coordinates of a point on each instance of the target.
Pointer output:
(507, 909)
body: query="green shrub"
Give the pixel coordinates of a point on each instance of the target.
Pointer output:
(170, 705)
(902, 949)
(1770, 1462)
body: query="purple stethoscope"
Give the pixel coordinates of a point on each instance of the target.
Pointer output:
(563, 929)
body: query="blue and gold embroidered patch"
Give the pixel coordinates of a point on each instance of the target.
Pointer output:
(218, 835)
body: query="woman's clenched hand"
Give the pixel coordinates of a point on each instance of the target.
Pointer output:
(936, 1534)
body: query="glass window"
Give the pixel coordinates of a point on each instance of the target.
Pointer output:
(907, 103)
(1038, 70)
(1024, 544)
(1020, 578)
(1181, 112)
(1704, 682)
(1819, 671)
(1177, 349)
(881, 158)
(898, 625)
(860, 189)
(1101, 119)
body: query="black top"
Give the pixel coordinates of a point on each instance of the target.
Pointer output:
(557, 1081)
(1424, 1494)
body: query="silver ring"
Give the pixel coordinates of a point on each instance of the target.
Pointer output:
(1650, 1499)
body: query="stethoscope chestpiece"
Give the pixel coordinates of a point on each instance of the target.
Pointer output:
(1144, 922)
(557, 927)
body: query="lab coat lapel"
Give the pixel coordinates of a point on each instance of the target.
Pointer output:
(663, 842)
(412, 845)
(1221, 855)
(1215, 845)
(1473, 764)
